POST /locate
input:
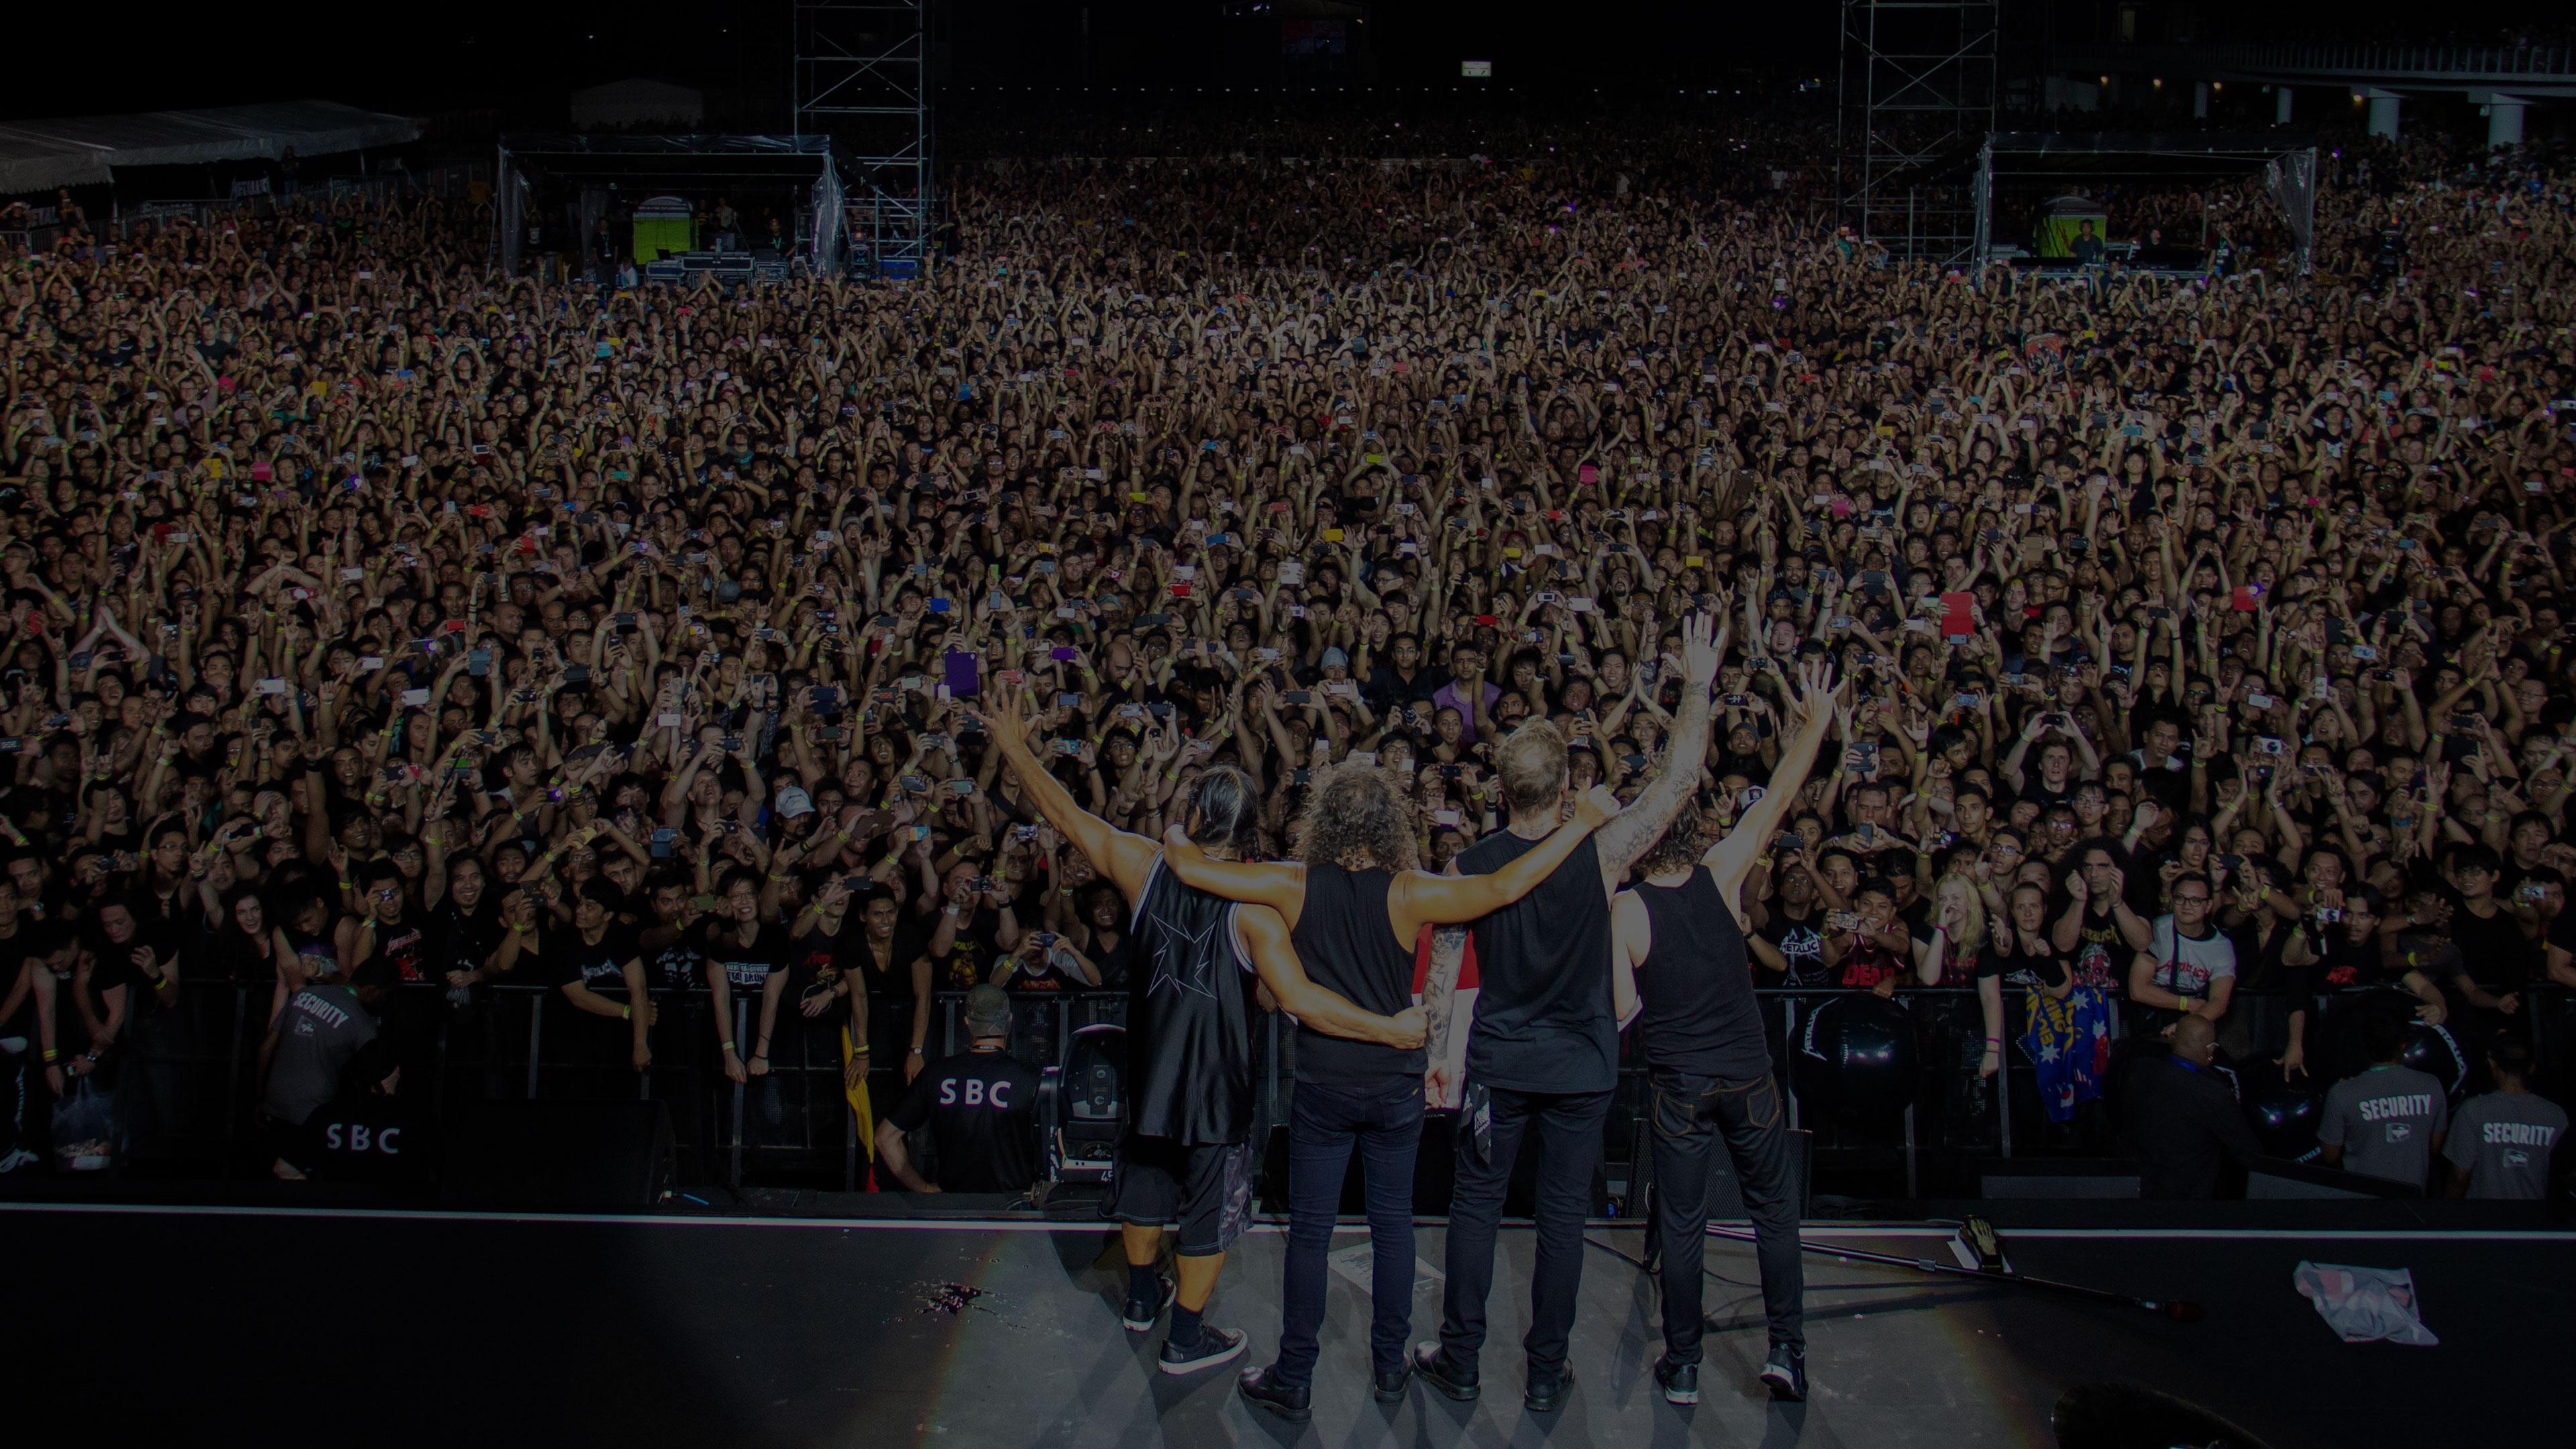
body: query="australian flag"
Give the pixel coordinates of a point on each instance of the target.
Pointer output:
(2070, 1042)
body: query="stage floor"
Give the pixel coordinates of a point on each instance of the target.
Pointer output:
(282, 1328)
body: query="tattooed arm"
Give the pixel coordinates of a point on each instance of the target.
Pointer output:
(1445, 1038)
(1626, 837)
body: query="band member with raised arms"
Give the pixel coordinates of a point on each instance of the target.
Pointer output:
(1679, 958)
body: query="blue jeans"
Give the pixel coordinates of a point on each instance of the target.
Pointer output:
(1324, 1124)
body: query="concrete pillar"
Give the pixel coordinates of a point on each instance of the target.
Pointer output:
(2280, 105)
(2383, 114)
(2504, 121)
(2200, 100)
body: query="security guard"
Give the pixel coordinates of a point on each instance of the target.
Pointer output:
(980, 1105)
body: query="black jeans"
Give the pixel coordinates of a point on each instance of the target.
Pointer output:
(1691, 1114)
(1323, 1126)
(1568, 1128)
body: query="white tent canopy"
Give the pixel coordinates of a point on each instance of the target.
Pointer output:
(86, 150)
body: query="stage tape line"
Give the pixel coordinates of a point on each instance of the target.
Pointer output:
(1831, 1229)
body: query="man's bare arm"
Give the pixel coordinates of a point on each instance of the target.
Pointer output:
(1647, 817)
(1274, 958)
(1439, 1007)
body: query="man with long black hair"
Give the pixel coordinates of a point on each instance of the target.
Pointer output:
(1186, 1158)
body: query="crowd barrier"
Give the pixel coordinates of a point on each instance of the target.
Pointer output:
(186, 1079)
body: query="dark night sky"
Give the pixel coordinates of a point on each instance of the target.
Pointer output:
(470, 53)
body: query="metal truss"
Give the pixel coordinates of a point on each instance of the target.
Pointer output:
(863, 76)
(1917, 95)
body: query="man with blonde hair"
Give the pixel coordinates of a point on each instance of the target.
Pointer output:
(1542, 1057)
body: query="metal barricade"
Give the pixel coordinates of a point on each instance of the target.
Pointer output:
(194, 1067)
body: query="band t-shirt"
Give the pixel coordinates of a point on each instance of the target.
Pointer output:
(2101, 956)
(404, 944)
(746, 967)
(2040, 968)
(1868, 963)
(981, 1108)
(2505, 1140)
(679, 966)
(2187, 966)
(600, 966)
(1800, 943)
(2384, 1121)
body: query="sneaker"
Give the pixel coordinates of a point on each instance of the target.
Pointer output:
(1433, 1367)
(1786, 1373)
(1389, 1387)
(1543, 1396)
(1680, 1381)
(1139, 1313)
(1215, 1345)
(1288, 1402)
(18, 1159)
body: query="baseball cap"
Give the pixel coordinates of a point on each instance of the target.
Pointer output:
(793, 801)
(987, 1006)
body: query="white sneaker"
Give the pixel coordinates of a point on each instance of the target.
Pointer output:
(18, 1159)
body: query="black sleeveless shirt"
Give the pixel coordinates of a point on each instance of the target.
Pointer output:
(1700, 1013)
(1543, 1015)
(1189, 1018)
(1346, 944)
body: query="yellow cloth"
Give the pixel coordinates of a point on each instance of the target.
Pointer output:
(857, 1097)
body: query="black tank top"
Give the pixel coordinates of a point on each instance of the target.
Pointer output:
(1189, 1018)
(1700, 1014)
(1543, 1018)
(1347, 946)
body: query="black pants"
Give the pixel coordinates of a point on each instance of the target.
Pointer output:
(1691, 1115)
(1568, 1129)
(1324, 1125)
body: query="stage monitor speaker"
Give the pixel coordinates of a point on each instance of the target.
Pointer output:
(1084, 1105)
(560, 1156)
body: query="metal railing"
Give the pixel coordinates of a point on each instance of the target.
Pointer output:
(187, 1074)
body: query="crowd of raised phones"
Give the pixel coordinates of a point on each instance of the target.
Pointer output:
(375, 622)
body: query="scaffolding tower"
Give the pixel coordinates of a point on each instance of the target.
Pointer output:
(863, 76)
(1917, 92)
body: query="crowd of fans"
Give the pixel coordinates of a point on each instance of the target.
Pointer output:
(379, 629)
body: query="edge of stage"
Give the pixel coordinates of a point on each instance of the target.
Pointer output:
(323, 1322)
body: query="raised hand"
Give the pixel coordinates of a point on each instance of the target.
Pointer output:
(1596, 807)
(1700, 650)
(1812, 704)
